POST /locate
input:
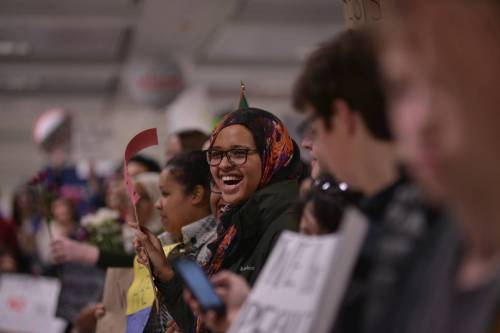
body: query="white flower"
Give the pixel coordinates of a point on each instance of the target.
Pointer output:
(97, 219)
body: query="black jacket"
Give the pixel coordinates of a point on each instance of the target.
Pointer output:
(259, 222)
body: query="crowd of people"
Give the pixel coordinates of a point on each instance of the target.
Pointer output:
(401, 124)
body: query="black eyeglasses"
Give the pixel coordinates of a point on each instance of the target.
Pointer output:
(235, 156)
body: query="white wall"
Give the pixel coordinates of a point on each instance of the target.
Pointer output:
(106, 129)
(20, 157)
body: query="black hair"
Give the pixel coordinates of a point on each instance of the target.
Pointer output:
(329, 200)
(149, 163)
(191, 169)
(192, 139)
(345, 68)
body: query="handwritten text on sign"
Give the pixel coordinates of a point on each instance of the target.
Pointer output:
(358, 12)
(303, 282)
(28, 304)
(289, 287)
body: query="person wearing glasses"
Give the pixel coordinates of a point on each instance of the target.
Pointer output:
(444, 106)
(254, 163)
(341, 92)
(320, 213)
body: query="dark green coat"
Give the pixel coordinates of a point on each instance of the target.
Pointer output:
(259, 222)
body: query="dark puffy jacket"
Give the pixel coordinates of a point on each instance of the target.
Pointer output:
(259, 222)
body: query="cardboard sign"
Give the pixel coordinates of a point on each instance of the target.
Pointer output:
(142, 140)
(303, 281)
(359, 12)
(28, 304)
(118, 281)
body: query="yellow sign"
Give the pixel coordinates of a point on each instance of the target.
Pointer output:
(140, 295)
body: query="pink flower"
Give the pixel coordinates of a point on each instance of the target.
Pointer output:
(39, 178)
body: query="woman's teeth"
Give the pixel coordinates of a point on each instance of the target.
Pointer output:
(231, 180)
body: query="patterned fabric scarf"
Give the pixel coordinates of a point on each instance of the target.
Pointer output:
(271, 138)
(276, 149)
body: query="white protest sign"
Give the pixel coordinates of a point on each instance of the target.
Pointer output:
(28, 304)
(303, 281)
(359, 12)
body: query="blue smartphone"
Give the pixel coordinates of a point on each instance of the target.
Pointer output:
(197, 282)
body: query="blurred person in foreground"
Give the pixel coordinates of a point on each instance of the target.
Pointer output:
(444, 101)
(313, 165)
(340, 90)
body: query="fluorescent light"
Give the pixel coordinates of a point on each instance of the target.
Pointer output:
(12, 48)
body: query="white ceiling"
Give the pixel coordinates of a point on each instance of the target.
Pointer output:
(84, 47)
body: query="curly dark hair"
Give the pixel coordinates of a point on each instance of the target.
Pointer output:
(345, 68)
(149, 163)
(191, 169)
(192, 139)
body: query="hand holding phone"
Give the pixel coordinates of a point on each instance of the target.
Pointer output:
(198, 284)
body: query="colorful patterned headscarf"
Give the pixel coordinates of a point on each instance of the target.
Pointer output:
(271, 137)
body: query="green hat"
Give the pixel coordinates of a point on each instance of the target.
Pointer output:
(243, 104)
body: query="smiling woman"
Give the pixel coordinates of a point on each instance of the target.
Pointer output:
(254, 165)
(249, 151)
(235, 164)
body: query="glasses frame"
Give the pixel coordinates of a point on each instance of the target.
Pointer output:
(225, 153)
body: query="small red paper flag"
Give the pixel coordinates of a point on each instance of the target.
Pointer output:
(144, 139)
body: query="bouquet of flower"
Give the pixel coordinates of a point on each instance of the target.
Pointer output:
(104, 230)
(45, 193)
